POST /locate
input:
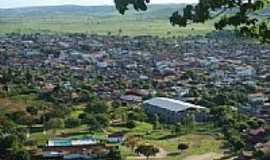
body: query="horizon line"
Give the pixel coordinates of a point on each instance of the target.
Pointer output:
(40, 6)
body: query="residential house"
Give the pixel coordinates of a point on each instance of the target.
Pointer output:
(73, 149)
(117, 137)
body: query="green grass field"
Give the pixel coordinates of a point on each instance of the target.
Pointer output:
(132, 24)
(199, 142)
(128, 26)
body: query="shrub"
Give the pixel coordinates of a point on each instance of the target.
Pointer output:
(72, 122)
(131, 124)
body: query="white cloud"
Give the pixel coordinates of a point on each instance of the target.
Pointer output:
(26, 3)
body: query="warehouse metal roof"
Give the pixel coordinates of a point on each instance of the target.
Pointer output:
(171, 104)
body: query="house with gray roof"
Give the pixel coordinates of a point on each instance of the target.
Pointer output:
(173, 111)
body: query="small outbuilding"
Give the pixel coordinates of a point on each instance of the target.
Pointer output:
(117, 137)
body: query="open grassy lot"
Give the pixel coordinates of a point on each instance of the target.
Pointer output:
(198, 144)
(201, 141)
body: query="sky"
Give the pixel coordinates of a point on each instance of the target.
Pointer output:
(28, 3)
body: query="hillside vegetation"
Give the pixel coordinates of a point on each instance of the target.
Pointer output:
(96, 20)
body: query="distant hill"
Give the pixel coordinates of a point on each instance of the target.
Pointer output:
(155, 11)
(98, 20)
(57, 10)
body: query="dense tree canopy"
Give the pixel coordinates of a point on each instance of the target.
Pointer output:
(12, 138)
(243, 16)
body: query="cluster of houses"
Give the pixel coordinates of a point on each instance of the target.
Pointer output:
(132, 69)
(85, 148)
(258, 139)
(71, 149)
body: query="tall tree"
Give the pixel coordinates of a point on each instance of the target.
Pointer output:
(54, 124)
(209, 9)
(182, 146)
(11, 141)
(147, 150)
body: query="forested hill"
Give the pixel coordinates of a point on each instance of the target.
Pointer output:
(155, 11)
